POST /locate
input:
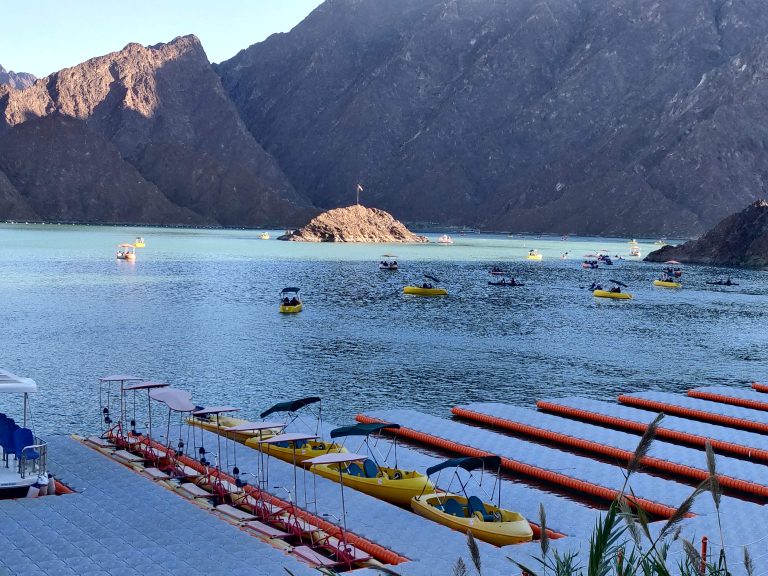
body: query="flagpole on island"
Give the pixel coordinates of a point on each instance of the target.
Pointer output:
(359, 189)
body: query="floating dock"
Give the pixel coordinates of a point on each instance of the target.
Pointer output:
(731, 395)
(676, 460)
(697, 409)
(724, 440)
(657, 496)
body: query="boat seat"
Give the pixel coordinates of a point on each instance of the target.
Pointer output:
(476, 506)
(354, 469)
(23, 437)
(298, 444)
(454, 508)
(370, 468)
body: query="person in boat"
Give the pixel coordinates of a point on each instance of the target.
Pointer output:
(294, 301)
(513, 282)
(286, 301)
(616, 289)
(394, 263)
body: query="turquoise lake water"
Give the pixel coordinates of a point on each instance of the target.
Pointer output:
(199, 309)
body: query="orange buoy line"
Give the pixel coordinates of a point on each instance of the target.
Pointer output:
(557, 478)
(705, 394)
(378, 552)
(760, 387)
(720, 446)
(611, 451)
(693, 413)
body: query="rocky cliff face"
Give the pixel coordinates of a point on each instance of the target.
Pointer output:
(18, 80)
(354, 224)
(739, 240)
(147, 125)
(620, 116)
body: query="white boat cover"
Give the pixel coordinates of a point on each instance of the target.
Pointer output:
(16, 384)
(118, 378)
(175, 399)
(214, 410)
(336, 458)
(289, 437)
(146, 385)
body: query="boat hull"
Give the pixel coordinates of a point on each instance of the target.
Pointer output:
(534, 256)
(309, 450)
(416, 291)
(384, 487)
(226, 422)
(664, 284)
(290, 309)
(514, 529)
(609, 294)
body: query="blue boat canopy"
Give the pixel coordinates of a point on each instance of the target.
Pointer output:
(363, 429)
(428, 277)
(467, 463)
(290, 289)
(291, 406)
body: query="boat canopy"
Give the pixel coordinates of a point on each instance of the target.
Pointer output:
(336, 458)
(671, 262)
(126, 246)
(118, 378)
(388, 256)
(291, 406)
(619, 283)
(289, 290)
(16, 384)
(146, 385)
(362, 429)
(467, 463)
(175, 399)
(427, 276)
(214, 410)
(289, 437)
(254, 426)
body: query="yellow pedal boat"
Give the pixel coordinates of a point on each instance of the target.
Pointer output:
(294, 447)
(391, 484)
(419, 291)
(534, 255)
(290, 303)
(496, 526)
(237, 429)
(609, 294)
(487, 522)
(667, 284)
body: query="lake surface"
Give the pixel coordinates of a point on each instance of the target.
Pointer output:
(199, 309)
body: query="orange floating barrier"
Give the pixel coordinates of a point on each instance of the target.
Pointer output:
(760, 387)
(725, 399)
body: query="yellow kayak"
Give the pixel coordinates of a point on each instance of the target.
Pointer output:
(417, 291)
(489, 523)
(665, 284)
(389, 484)
(305, 449)
(609, 294)
(290, 309)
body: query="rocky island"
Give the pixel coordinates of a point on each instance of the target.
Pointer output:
(354, 224)
(739, 240)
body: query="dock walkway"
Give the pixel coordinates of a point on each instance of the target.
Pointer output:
(695, 408)
(119, 523)
(677, 460)
(724, 439)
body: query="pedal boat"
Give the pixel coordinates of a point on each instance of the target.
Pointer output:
(264, 236)
(391, 484)
(667, 284)
(419, 291)
(293, 446)
(534, 255)
(126, 252)
(609, 294)
(139, 242)
(487, 522)
(237, 429)
(290, 294)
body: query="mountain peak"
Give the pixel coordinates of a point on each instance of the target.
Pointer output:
(17, 80)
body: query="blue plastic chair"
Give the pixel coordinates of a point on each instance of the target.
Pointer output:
(476, 505)
(452, 507)
(354, 469)
(21, 438)
(6, 436)
(370, 468)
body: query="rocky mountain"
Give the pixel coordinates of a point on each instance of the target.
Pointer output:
(354, 223)
(147, 135)
(739, 240)
(586, 116)
(18, 80)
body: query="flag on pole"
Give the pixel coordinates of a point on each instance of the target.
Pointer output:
(359, 187)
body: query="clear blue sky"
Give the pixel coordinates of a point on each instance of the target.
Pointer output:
(43, 36)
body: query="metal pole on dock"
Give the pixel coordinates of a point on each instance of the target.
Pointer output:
(703, 568)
